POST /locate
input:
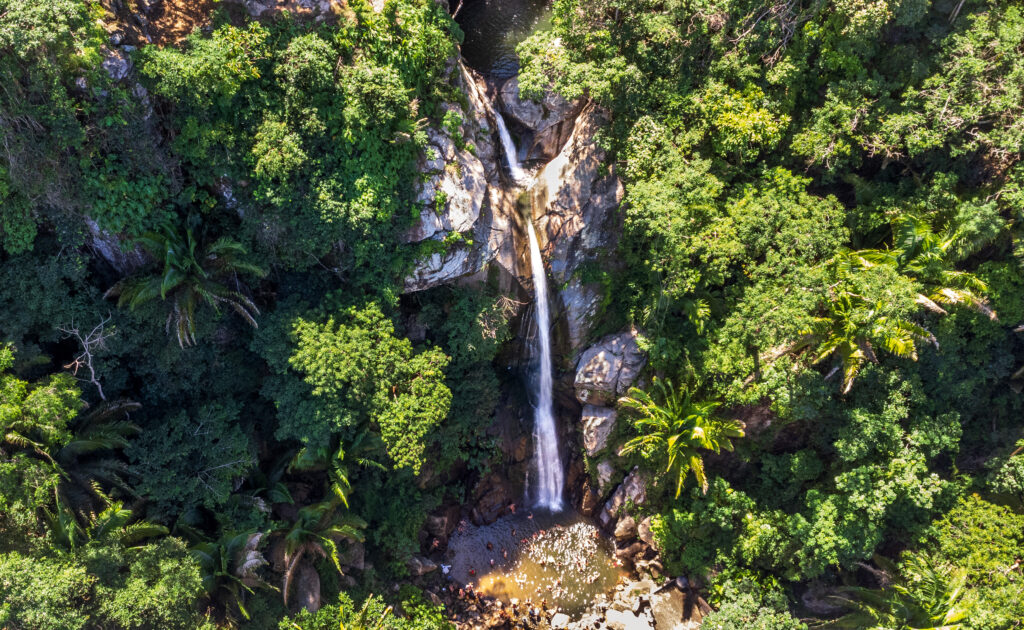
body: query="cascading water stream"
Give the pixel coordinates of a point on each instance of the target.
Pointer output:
(547, 462)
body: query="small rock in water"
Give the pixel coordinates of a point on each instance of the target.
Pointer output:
(560, 620)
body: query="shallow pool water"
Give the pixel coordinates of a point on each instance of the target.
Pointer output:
(555, 561)
(493, 28)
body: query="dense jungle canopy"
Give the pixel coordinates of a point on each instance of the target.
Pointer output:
(215, 388)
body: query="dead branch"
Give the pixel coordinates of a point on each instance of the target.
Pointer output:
(94, 341)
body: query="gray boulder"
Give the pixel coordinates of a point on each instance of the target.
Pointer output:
(607, 369)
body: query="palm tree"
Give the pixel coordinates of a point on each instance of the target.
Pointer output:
(90, 455)
(677, 429)
(192, 274)
(927, 596)
(230, 567)
(316, 532)
(852, 329)
(114, 523)
(928, 257)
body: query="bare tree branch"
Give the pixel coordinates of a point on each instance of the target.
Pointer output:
(95, 340)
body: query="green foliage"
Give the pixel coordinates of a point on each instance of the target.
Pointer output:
(192, 274)
(672, 431)
(43, 593)
(984, 541)
(191, 458)
(355, 370)
(924, 595)
(750, 606)
(372, 614)
(158, 589)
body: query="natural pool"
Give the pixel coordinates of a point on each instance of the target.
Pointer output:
(555, 561)
(493, 28)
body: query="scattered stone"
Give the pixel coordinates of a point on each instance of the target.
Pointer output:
(625, 528)
(419, 565)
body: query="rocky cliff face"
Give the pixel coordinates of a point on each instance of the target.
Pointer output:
(465, 203)
(573, 202)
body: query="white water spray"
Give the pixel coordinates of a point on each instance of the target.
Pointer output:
(511, 155)
(547, 461)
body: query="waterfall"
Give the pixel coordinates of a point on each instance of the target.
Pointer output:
(518, 174)
(547, 463)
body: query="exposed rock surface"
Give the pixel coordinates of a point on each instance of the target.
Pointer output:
(575, 200)
(582, 304)
(625, 528)
(109, 247)
(117, 64)
(550, 121)
(463, 195)
(598, 424)
(307, 587)
(419, 565)
(607, 369)
(605, 470)
(632, 490)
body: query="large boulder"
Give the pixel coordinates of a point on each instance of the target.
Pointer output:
(598, 424)
(624, 620)
(607, 369)
(550, 120)
(668, 606)
(632, 491)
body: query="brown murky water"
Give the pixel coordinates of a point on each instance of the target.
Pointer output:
(559, 561)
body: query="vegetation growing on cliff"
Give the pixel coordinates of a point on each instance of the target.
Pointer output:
(214, 398)
(822, 221)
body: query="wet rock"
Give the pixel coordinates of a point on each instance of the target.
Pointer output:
(625, 528)
(551, 120)
(494, 498)
(560, 620)
(598, 423)
(419, 565)
(575, 200)
(590, 500)
(632, 490)
(607, 369)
